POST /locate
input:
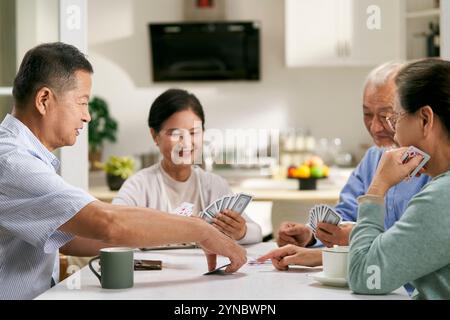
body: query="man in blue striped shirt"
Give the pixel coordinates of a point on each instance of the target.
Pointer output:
(39, 212)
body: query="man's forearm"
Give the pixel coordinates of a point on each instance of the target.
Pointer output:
(83, 247)
(134, 227)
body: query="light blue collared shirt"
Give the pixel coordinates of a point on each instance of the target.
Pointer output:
(34, 202)
(396, 198)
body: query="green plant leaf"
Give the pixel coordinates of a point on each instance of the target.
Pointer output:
(119, 166)
(102, 127)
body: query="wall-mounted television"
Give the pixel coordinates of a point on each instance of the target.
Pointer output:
(205, 51)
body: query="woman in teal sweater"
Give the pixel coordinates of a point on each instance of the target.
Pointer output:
(415, 249)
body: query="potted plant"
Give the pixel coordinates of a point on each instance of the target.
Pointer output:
(117, 169)
(101, 127)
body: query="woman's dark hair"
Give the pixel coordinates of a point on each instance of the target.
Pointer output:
(50, 65)
(170, 102)
(426, 83)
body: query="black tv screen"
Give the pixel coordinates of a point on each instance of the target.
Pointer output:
(205, 51)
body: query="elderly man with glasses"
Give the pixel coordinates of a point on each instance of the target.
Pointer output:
(379, 119)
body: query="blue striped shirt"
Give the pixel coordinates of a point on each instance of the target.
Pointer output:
(34, 202)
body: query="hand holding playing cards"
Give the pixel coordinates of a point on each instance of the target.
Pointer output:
(293, 255)
(393, 168)
(218, 243)
(331, 234)
(231, 223)
(294, 233)
(225, 213)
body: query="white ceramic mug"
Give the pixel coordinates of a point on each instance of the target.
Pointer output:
(335, 262)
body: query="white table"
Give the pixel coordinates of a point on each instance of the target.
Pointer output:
(182, 279)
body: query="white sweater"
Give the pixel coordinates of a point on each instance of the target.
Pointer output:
(144, 189)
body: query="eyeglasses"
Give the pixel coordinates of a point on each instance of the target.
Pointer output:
(381, 117)
(393, 119)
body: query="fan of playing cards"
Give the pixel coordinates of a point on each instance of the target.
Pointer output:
(323, 213)
(237, 203)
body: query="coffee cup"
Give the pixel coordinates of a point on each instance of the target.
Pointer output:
(335, 262)
(116, 268)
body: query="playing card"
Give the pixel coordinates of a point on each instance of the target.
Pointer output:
(312, 218)
(322, 213)
(255, 262)
(224, 203)
(211, 210)
(331, 216)
(217, 271)
(411, 153)
(231, 202)
(241, 202)
(323, 209)
(207, 218)
(218, 204)
(236, 203)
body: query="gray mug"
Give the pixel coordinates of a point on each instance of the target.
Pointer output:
(116, 268)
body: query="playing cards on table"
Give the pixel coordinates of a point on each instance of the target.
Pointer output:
(323, 213)
(237, 203)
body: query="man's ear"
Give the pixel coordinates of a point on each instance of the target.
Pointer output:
(42, 100)
(426, 116)
(154, 135)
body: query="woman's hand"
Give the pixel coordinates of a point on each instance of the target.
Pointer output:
(391, 171)
(293, 255)
(231, 223)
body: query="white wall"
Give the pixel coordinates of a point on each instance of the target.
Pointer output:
(37, 22)
(325, 100)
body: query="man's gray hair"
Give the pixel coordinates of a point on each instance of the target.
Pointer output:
(381, 74)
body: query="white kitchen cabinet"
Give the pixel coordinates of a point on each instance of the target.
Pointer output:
(418, 16)
(342, 32)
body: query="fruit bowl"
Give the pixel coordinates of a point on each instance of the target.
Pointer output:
(309, 172)
(308, 183)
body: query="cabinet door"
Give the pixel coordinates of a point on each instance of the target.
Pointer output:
(313, 33)
(376, 35)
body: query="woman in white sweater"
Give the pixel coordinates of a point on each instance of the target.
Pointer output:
(176, 122)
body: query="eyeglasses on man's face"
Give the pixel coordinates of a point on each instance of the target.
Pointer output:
(380, 117)
(393, 118)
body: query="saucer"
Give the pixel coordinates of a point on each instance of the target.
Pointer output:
(335, 282)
